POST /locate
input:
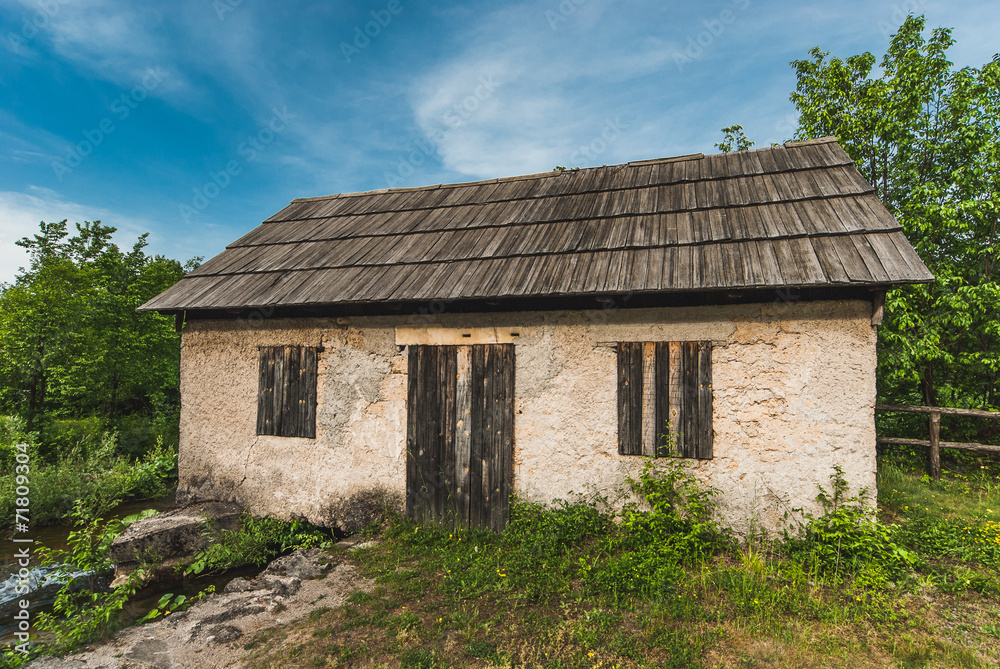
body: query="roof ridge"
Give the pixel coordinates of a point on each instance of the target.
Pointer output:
(549, 174)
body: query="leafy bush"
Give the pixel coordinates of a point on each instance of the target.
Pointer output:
(84, 614)
(679, 516)
(847, 537)
(79, 435)
(673, 528)
(100, 480)
(256, 541)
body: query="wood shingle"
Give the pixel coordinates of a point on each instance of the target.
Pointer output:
(798, 215)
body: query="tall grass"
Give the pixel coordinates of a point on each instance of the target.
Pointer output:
(90, 470)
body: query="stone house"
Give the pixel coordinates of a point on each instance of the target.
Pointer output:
(543, 335)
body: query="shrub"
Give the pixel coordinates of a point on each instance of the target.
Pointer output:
(673, 529)
(101, 480)
(256, 541)
(847, 537)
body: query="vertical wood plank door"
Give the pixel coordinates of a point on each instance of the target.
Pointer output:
(460, 434)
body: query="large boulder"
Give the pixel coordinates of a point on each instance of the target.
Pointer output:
(168, 538)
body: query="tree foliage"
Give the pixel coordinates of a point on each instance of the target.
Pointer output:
(734, 139)
(72, 342)
(927, 136)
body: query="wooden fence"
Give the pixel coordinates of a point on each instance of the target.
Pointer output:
(934, 444)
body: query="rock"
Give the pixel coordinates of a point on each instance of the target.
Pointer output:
(223, 634)
(212, 632)
(240, 584)
(55, 663)
(280, 585)
(363, 544)
(302, 563)
(153, 653)
(173, 534)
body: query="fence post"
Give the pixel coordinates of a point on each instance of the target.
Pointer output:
(935, 448)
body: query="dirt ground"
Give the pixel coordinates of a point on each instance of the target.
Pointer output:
(212, 632)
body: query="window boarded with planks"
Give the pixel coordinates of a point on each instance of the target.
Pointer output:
(286, 394)
(460, 434)
(665, 399)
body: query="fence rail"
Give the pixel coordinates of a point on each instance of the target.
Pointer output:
(934, 444)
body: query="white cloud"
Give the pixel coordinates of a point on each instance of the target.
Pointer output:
(592, 91)
(20, 214)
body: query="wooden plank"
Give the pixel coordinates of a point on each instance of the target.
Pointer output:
(479, 422)
(689, 403)
(675, 396)
(630, 398)
(487, 436)
(648, 399)
(413, 409)
(463, 433)
(506, 473)
(967, 446)
(878, 308)
(428, 431)
(944, 411)
(624, 413)
(279, 390)
(661, 416)
(829, 260)
(444, 471)
(265, 392)
(705, 411)
(309, 367)
(290, 394)
(934, 452)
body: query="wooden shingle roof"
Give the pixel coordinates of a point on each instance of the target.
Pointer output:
(798, 215)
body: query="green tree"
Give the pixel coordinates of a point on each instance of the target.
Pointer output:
(72, 343)
(927, 136)
(733, 139)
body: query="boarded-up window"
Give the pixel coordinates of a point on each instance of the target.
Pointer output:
(286, 396)
(665, 399)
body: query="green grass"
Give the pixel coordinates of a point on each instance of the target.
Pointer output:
(957, 496)
(574, 585)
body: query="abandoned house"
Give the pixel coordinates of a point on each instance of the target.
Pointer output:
(542, 336)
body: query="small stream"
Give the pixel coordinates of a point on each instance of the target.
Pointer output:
(55, 537)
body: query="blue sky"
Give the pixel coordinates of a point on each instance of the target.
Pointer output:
(195, 120)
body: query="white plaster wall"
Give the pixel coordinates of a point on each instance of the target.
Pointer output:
(794, 391)
(355, 463)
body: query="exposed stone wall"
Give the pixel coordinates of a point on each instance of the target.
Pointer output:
(794, 390)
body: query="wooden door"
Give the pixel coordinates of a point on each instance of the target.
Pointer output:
(460, 434)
